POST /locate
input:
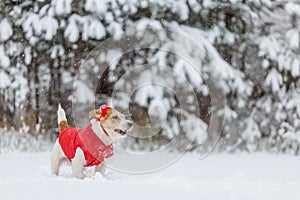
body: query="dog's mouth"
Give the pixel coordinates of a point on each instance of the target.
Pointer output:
(122, 132)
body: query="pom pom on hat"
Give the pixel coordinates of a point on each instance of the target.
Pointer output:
(104, 109)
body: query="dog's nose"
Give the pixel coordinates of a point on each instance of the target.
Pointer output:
(129, 124)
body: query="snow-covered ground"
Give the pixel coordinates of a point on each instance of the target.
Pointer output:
(221, 176)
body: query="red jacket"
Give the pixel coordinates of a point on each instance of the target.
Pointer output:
(84, 138)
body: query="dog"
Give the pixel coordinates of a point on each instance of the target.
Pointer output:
(90, 146)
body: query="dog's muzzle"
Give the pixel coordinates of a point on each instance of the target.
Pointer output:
(129, 126)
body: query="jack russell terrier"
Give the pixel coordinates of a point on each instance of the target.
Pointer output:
(90, 146)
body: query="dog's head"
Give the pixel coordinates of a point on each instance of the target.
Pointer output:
(112, 121)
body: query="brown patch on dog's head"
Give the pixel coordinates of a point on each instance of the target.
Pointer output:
(111, 119)
(95, 113)
(107, 115)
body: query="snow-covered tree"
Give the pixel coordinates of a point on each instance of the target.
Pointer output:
(246, 51)
(156, 49)
(268, 55)
(278, 47)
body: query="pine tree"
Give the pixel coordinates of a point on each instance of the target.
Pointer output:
(247, 51)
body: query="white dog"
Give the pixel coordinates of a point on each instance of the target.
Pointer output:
(90, 146)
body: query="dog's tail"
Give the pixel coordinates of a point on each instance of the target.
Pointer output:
(61, 119)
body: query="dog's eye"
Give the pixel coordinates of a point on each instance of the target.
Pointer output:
(115, 117)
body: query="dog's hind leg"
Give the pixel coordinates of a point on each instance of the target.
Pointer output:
(57, 158)
(101, 168)
(78, 164)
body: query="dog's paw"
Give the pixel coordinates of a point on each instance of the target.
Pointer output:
(113, 176)
(108, 176)
(79, 176)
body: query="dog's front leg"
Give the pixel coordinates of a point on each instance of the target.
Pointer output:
(78, 164)
(101, 168)
(56, 158)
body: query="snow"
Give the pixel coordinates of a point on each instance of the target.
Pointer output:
(269, 46)
(112, 57)
(50, 26)
(82, 93)
(91, 28)
(62, 7)
(4, 59)
(232, 78)
(32, 25)
(57, 51)
(27, 54)
(295, 68)
(292, 8)
(293, 102)
(182, 67)
(181, 8)
(115, 29)
(143, 4)
(195, 129)
(194, 5)
(147, 90)
(251, 133)
(293, 36)
(96, 6)
(5, 30)
(96, 29)
(274, 80)
(72, 32)
(23, 90)
(259, 176)
(208, 4)
(4, 80)
(148, 23)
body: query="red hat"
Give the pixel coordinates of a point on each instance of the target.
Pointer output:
(104, 109)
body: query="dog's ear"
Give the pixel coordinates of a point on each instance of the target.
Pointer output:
(95, 113)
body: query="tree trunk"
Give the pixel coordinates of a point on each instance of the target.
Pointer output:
(36, 89)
